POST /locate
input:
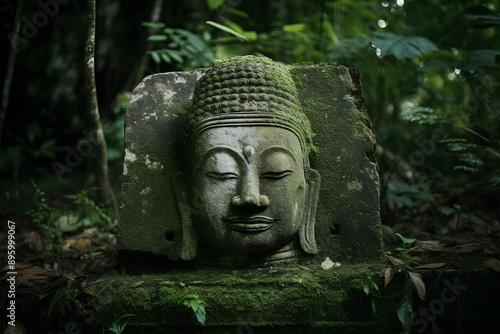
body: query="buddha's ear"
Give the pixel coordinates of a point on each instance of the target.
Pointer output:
(306, 233)
(189, 243)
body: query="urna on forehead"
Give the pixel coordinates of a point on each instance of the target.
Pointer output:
(247, 91)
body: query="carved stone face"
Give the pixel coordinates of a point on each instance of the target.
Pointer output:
(248, 188)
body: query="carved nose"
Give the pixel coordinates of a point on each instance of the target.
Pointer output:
(261, 200)
(250, 194)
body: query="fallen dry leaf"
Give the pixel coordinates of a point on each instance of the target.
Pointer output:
(458, 249)
(303, 267)
(423, 247)
(418, 283)
(431, 265)
(136, 284)
(34, 241)
(35, 273)
(396, 260)
(492, 264)
(388, 275)
(81, 244)
(91, 289)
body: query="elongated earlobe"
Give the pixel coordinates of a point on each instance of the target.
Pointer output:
(306, 233)
(189, 235)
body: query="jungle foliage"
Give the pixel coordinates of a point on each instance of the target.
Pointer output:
(429, 70)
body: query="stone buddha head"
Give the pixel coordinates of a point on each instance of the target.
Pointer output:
(248, 189)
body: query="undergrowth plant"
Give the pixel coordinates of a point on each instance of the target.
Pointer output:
(63, 297)
(82, 212)
(414, 283)
(405, 251)
(45, 217)
(370, 288)
(196, 304)
(118, 326)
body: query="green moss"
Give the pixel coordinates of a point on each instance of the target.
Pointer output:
(256, 297)
(257, 80)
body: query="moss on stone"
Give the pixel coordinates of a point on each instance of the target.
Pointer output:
(347, 220)
(280, 296)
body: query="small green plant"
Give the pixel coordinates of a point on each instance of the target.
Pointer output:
(179, 45)
(370, 288)
(413, 281)
(63, 297)
(196, 304)
(87, 208)
(45, 218)
(405, 251)
(118, 326)
(54, 222)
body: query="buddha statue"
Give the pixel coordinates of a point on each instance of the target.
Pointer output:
(248, 190)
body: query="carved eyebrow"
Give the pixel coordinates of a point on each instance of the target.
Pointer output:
(222, 149)
(279, 149)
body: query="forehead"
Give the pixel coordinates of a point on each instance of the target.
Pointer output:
(237, 138)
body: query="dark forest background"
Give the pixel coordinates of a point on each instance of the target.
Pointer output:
(429, 71)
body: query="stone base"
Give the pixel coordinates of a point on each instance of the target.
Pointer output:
(293, 300)
(250, 300)
(284, 299)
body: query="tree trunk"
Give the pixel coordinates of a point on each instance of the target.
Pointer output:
(15, 41)
(105, 192)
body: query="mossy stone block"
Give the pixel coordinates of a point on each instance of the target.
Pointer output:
(241, 300)
(348, 218)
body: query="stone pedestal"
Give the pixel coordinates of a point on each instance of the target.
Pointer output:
(269, 300)
(347, 218)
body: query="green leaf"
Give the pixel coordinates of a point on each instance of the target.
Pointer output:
(238, 12)
(405, 240)
(197, 42)
(214, 4)
(176, 56)
(375, 286)
(402, 47)
(366, 288)
(479, 58)
(156, 57)
(157, 38)
(293, 27)
(467, 169)
(227, 29)
(405, 310)
(201, 315)
(481, 17)
(153, 25)
(446, 210)
(421, 115)
(165, 57)
(494, 181)
(206, 36)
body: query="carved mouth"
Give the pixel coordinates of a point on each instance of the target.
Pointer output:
(249, 224)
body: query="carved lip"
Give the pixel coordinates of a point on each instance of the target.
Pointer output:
(249, 224)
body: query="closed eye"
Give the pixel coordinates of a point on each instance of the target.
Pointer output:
(222, 176)
(276, 175)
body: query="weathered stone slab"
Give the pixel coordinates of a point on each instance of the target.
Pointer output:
(347, 218)
(247, 300)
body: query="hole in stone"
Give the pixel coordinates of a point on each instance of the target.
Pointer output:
(169, 235)
(335, 229)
